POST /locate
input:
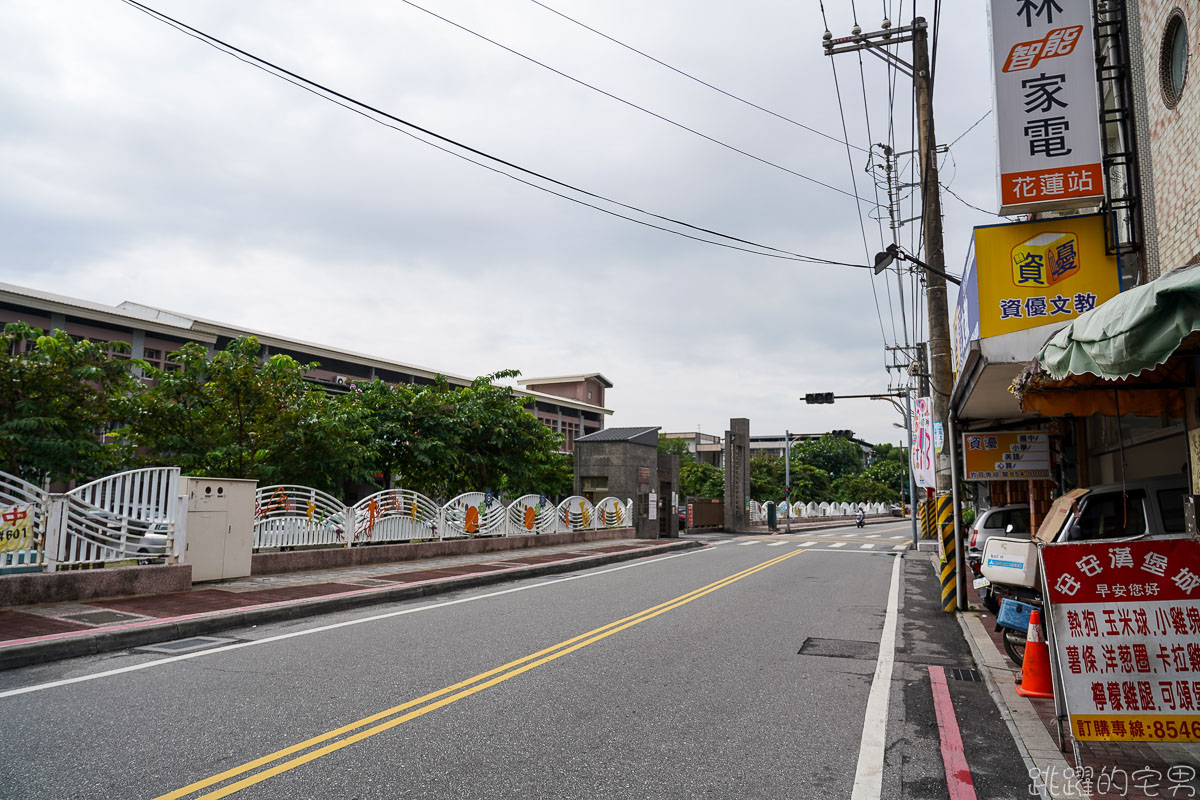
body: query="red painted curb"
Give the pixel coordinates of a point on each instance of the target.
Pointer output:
(958, 774)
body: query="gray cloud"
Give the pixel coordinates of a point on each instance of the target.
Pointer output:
(139, 164)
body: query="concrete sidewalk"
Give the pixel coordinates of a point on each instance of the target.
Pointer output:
(35, 634)
(1128, 770)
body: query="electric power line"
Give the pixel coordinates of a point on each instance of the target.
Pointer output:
(630, 103)
(362, 109)
(691, 77)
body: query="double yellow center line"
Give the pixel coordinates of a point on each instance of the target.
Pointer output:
(303, 752)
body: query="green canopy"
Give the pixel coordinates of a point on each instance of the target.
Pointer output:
(1136, 330)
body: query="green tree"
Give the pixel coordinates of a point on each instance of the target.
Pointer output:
(861, 489)
(59, 398)
(701, 480)
(890, 452)
(500, 445)
(237, 416)
(810, 484)
(766, 478)
(889, 473)
(833, 454)
(674, 446)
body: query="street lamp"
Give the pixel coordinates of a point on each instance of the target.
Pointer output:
(884, 260)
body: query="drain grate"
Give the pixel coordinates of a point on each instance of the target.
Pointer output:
(185, 645)
(969, 675)
(102, 617)
(839, 648)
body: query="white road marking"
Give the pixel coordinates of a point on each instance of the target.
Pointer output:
(900, 547)
(775, 544)
(838, 544)
(809, 544)
(867, 547)
(322, 628)
(868, 777)
(743, 544)
(899, 537)
(871, 536)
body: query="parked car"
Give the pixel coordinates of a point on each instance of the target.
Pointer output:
(1143, 507)
(1010, 521)
(1152, 506)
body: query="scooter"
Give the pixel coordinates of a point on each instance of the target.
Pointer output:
(860, 520)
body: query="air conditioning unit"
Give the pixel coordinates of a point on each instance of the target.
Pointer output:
(340, 380)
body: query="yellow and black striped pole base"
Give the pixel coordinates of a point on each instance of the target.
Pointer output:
(945, 524)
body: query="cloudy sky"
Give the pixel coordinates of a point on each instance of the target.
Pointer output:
(141, 164)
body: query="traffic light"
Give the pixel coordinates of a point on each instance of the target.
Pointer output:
(842, 434)
(816, 398)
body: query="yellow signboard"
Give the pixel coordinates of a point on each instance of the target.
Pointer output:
(1006, 455)
(16, 528)
(1037, 273)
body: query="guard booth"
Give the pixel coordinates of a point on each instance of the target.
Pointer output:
(625, 463)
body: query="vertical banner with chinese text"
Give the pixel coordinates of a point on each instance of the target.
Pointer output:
(1126, 622)
(1047, 113)
(922, 451)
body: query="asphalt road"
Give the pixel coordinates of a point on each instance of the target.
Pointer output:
(741, 670)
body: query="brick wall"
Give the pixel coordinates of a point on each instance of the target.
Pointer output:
(1174, 135)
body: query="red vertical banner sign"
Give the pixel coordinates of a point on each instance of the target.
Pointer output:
(1126, 623)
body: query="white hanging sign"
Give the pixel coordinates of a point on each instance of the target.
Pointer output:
(1046, 106)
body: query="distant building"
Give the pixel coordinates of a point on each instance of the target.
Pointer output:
(704, 447)
(568, 406)
(586, 390)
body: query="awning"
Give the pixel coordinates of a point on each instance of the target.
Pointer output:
(1135, 331)
(1131, 355)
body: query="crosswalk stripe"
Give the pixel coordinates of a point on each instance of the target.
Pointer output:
(743, 544)
(867, 547)
(810, 544)
(775, 544)
(871, 536)
(899, 537)
(838, 544)
(900, 547)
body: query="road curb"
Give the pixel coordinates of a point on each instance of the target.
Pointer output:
(103, 641)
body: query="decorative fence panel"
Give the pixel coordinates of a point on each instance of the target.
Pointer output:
(23, 512)
(576, 514)
(473, 514)
(396, 515)
(299, 516)
(531, 513)
(130, 515)
(611, 513)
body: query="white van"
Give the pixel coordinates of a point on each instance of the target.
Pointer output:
(1144, 507)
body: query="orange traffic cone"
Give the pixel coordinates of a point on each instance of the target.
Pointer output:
(1035, 678)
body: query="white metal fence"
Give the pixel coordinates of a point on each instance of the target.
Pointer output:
(297, 516)
(798, 510)
(130, 516)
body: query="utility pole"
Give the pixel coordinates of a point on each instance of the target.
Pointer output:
(940, 369)
(938, 310)
(787, 478)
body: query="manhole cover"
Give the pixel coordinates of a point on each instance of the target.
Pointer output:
(185, 645)
(839, 648)
(969, 675)
(101, 617)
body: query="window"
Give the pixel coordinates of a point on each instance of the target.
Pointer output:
(995, 520)
(1173, 59)
(1019, 519)
(1170, 503)
(1104, 518)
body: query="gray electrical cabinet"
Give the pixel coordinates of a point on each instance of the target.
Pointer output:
(220, 527)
